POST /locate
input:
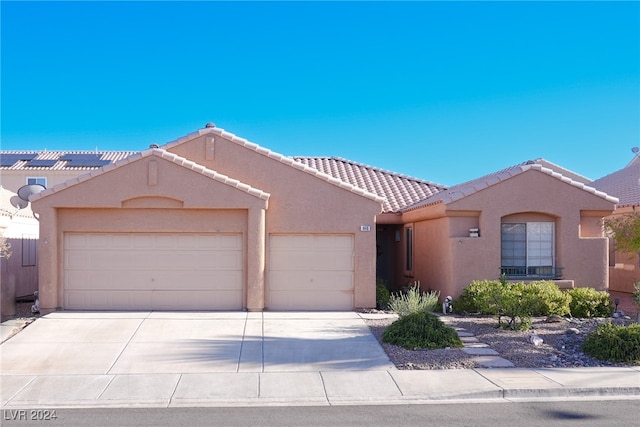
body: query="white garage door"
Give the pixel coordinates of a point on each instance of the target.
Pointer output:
(311, 272)
(144, 271)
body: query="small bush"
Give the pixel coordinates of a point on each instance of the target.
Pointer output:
(614, 343)
(518, 302)
(413, 301)
(588, 302)
(421, 330)
(477, 297)
(382, 295)
(550, 299)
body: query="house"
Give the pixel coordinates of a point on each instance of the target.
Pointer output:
(624, 184)
(209, 221)
(212, 221)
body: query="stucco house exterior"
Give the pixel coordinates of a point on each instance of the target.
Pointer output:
(624, 268)
(528, 222)
(211, 221)
(532, 221)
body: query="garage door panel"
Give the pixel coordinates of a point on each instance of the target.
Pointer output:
(157, 300)
(317, 300)
(132, 280)
(153, 271)
(107, 300)
(303, 281)
(313, 260)
(172, 300)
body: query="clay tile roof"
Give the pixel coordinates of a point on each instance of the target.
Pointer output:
(280, 158)
(398, 190)
(465, 189)
(623, 184)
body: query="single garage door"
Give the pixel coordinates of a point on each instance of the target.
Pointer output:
(311, 272)
(147, 271)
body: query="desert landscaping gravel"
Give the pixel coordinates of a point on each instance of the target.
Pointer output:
(561, 346)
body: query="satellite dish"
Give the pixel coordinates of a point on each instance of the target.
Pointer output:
(18, 203)
(635, 150)
(29, 190)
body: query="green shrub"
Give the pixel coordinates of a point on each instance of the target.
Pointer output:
(382, 295)
(614, 343)
(588, 302)
(413, 301)
(476, 297)
(551, 299)
(517, 302)
(421, 330)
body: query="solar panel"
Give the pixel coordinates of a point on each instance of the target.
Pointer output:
(38, 163)
(80, 156)
(82, 160)
(7, 160)
(88, 163)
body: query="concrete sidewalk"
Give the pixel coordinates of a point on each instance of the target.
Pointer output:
(167, 359)
(317, 388)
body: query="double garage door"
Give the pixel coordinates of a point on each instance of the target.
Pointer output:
(161, 271)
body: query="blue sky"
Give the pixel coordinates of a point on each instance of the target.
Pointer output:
(443, 91)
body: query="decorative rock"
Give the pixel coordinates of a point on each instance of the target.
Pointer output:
(572, 331)
(554, 318)
(534, 339)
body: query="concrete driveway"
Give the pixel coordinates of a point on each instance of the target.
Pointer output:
(69, 342)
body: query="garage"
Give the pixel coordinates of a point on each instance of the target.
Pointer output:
(311, 272)
(153, 271)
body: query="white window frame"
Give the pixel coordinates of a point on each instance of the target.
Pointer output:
(538, 250)
(42, 180)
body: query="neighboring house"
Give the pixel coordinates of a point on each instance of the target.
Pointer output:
(49, 168)
(209, 221)
(624, 268)
(18, 273)
(212, 221)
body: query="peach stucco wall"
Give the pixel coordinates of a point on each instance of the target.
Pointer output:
(299, 202)
(447, 259)
(151, 193)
